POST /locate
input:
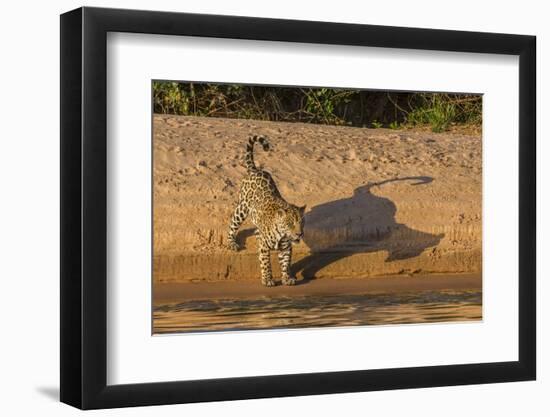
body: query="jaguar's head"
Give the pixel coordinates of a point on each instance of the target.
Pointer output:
(291, 222)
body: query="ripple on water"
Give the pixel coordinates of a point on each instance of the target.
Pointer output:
(317, 311)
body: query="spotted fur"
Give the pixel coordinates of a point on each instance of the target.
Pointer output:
(278, 223)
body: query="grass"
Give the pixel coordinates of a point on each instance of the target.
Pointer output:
(440, 111)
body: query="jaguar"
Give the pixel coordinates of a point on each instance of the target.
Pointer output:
(278, 223)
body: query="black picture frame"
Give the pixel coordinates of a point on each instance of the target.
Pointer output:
(84, 207)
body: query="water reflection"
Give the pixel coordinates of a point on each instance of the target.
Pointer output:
(317, 311)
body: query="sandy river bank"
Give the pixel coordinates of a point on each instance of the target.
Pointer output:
(380, 202)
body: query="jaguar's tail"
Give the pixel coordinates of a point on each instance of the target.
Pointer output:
(249, 160)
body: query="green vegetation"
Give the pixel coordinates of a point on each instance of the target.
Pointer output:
(394, 125)
(331, 106)
(441, 110)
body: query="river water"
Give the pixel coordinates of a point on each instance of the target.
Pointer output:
(317, 311)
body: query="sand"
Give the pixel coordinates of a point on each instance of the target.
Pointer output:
(380, 201)
(169, 293)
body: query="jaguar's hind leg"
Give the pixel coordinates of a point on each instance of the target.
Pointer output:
(265, 264)
(239, 215)
(285, 258)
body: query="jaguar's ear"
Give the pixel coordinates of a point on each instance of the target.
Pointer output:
(281, 212)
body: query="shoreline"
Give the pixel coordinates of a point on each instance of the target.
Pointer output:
(171, 293)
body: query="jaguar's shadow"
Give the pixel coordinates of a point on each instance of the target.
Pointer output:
(360, 224)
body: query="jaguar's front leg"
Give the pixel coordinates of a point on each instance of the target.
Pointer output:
(265, 264)
(285, 258)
